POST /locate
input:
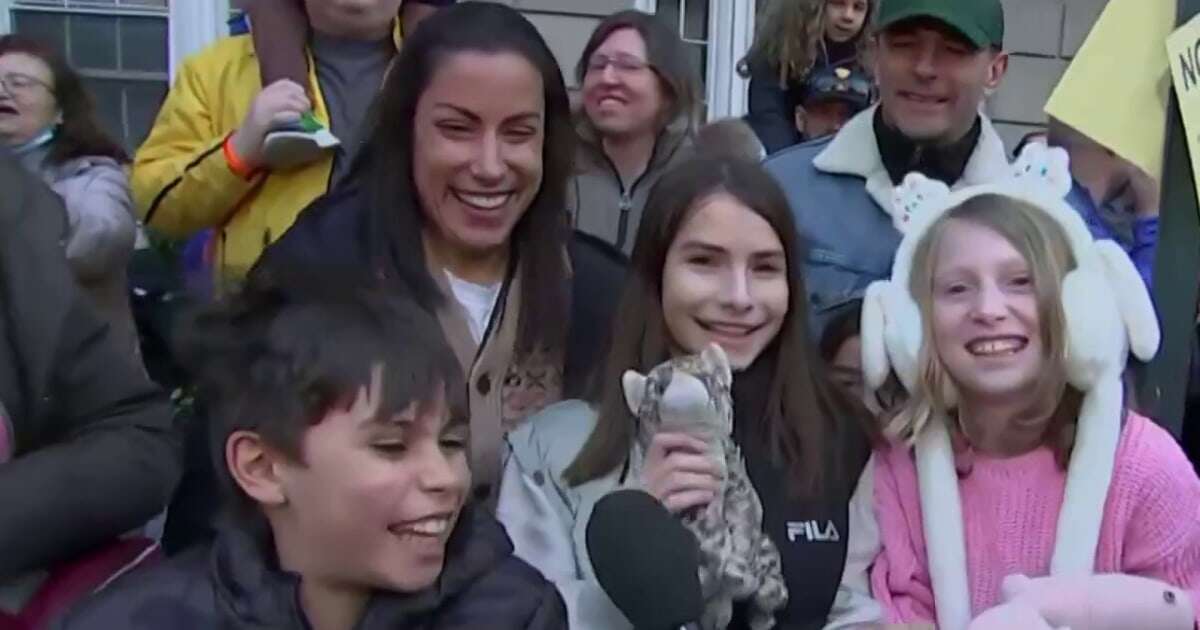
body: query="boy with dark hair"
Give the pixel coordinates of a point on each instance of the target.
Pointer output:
(342, 439)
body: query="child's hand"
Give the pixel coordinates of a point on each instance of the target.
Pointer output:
(280, 103)
(679, 473)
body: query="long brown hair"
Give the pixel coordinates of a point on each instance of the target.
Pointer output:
(803, 413)
(790, 34)
(1044, 246)
(385, 166)
(80, 133)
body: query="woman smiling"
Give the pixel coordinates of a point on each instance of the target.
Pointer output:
(458, 202)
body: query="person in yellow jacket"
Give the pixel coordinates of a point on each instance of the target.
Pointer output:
(203, 163)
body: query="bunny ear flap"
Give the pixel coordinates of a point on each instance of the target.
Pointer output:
(1043, 169)
(890, 335)
(1133, 300)
(915, 198)
(875, 363)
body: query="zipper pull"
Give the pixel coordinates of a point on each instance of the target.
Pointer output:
(626, 203)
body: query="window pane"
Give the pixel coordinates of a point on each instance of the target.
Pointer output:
(139, 4)
(127, 108)
(93, 41)
(668, 10)
(144, 99)
(48, 28)
(695, 23)
(698, 59)
(107, 96)
(143, 44)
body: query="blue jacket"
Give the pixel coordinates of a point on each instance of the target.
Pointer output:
(1142, 242)
(841, 197)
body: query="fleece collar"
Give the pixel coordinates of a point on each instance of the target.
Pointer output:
(855, 151)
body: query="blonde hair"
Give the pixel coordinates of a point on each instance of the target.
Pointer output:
(1043, 244)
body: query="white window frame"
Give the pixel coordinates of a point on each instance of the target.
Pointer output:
(730, 33)
(78, 7)
(192, 25)
(81, 7)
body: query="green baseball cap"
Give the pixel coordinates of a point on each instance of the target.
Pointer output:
(980, 21)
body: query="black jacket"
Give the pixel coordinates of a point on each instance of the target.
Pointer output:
(234, 585)
(810, 532)
(95, 455)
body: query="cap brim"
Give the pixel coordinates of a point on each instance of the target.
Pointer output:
(845, 97)
(972, 33)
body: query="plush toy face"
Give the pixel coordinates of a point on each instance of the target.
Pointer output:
(984, 313)
(690, 393)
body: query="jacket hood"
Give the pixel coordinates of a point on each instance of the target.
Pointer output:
(674, 135)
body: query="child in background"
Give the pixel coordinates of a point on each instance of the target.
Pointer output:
(1117, 199)
(796, 37)
(832, 96)
(1020, 486)
(281, 31)
(841, 349)
(342, 445)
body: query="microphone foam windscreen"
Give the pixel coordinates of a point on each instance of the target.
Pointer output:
(645, 560)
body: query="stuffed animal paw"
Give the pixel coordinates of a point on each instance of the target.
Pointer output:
(1111, 601)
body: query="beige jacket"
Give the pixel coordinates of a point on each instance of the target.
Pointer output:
(502, 391)
(600, 203)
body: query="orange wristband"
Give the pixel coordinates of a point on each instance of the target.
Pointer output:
(239, 167)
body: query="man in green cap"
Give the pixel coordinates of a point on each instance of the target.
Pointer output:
(935, 62)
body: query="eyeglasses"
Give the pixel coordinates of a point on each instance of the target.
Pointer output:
(15, 82)
(622, 63)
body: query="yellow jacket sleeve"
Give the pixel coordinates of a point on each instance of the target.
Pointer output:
(181, 182)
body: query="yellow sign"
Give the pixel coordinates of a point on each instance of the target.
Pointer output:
(1115, 90)
(1183, 52)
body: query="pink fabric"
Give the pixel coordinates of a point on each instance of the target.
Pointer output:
(72, 581)
(1010, 508)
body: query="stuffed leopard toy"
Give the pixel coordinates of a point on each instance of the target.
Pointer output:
(737, 560)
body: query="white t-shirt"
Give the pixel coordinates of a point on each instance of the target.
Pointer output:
(478, 300)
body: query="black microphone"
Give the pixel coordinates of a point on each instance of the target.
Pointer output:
(645, 560)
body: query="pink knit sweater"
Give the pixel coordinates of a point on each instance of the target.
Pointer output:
(1010, 508)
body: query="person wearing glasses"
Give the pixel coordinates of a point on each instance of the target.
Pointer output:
(638, 117)
(47, 120)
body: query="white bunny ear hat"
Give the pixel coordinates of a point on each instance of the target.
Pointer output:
(1108, 314)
